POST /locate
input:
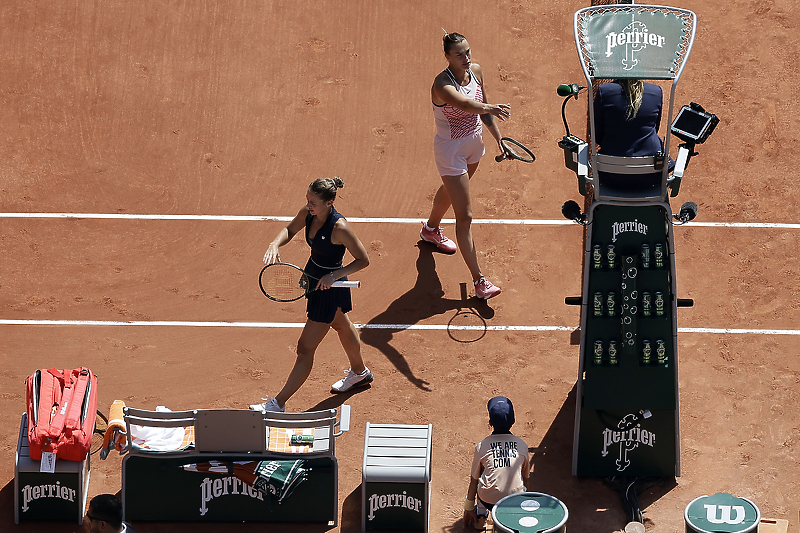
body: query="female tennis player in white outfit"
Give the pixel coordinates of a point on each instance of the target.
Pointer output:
(459, 106)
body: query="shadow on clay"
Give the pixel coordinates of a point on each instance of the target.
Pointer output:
(424, 300)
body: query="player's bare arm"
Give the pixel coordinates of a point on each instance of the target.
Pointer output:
(343, 234)
(487, 118)
(285, 235)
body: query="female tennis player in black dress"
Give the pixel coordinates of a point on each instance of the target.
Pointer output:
(329, 235)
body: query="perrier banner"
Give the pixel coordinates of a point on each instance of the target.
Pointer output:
(226, 487)
(628, 392)
(634, 41)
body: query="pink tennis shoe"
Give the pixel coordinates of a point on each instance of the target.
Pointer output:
(485, 289)
(435, 236)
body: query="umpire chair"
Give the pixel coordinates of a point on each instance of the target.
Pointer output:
(627, 417)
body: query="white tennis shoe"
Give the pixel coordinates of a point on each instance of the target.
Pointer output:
(270, 405)
(351, 379)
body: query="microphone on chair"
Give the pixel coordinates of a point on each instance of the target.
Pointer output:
(572, 211)
(688, 212)
(571, 89)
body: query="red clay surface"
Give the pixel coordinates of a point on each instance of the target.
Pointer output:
(232, 108)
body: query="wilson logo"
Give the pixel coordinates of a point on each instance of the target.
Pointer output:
(724, 514)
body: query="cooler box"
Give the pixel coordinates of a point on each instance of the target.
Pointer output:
(45, 496)
(721, 512)
(530, 512)
(396, 477)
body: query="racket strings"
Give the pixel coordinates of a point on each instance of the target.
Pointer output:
(514, 151)
(517, 150)
(284, 282)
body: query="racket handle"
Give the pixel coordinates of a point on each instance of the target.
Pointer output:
(500, 157)
(351, 284)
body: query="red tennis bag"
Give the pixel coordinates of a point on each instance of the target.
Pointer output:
(62, 405)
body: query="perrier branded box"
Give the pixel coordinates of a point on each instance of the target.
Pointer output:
(60, 495)
(174, 487)
(628, 387)
(396, 477)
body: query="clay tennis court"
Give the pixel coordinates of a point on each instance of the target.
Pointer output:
(126, 114)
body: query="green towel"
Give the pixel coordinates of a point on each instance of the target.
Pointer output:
(279, 478)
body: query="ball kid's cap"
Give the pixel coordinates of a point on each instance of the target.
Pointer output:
(501, 413)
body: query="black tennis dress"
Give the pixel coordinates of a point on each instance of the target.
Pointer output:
(325, 258)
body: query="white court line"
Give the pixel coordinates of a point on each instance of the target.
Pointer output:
(378, 220)
(243, 218)
(179, 323)
(399, 327)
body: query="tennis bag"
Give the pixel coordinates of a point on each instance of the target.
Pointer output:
(62, 405)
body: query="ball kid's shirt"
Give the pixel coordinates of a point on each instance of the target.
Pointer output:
(501, 466)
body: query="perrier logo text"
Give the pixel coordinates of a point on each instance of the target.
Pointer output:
(623, 227)
(638, 37)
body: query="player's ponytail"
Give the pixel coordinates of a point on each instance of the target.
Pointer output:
(326, 188)
(450, 39)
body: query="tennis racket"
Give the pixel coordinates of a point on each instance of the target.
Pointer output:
(100, 427)
(284, 282)
(514, 150)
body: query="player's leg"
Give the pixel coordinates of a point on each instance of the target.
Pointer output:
(458, 192)
(441, 203)
(449, 162)
(312, 335)
(358, 374)
(431, 231)
(458, 189)
(351, 342)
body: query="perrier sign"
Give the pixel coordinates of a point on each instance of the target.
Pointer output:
(632, 41)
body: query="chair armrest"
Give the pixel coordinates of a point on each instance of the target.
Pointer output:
(344, 420)
(681, 162)
(674, 182)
